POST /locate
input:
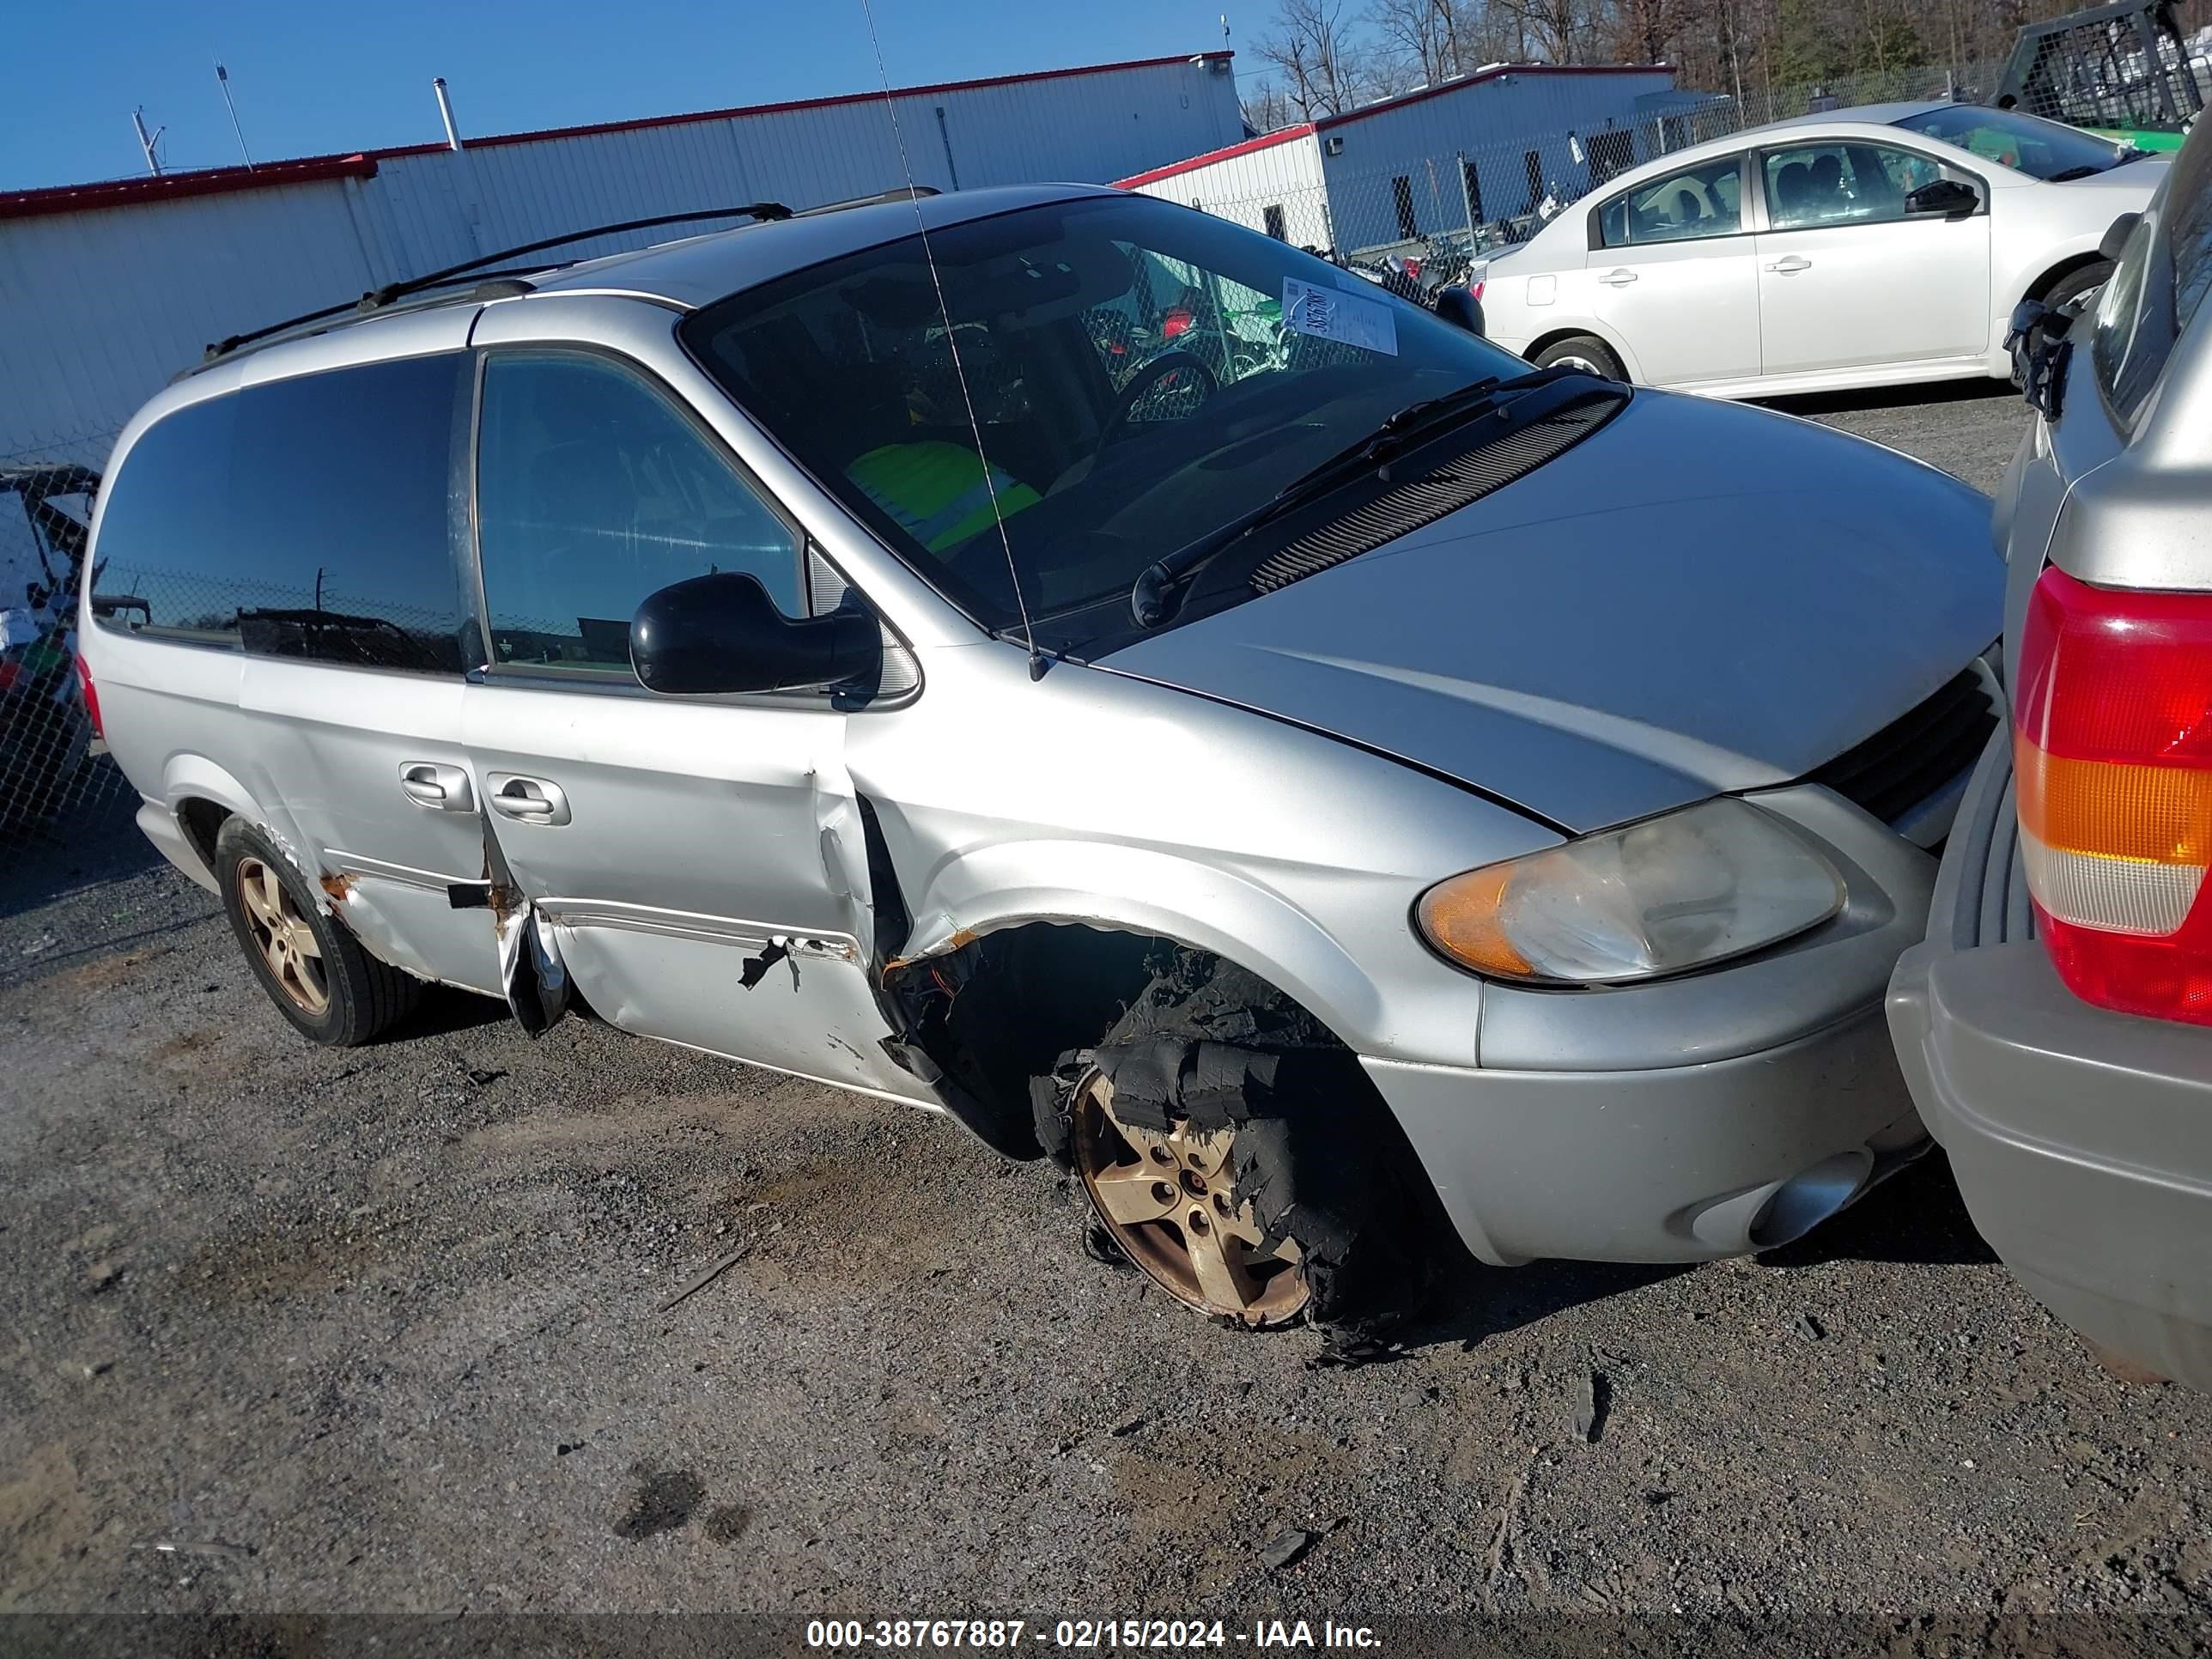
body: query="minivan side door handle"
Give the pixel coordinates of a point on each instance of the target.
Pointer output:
(435, 785)
(528, 800)
(1619, 278)
(1791, 265)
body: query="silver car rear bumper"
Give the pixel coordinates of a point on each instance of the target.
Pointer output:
(2081, 1139)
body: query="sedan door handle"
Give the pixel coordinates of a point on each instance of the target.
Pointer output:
(528, 800)
(441, 787)
(1620, 278)
(1791, 265)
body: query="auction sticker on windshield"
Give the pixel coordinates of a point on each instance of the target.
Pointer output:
(1347, 319)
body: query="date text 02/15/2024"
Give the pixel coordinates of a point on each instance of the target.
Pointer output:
(1088, 1635)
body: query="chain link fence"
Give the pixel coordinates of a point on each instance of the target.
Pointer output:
(56, 780)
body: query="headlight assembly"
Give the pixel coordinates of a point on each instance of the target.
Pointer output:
(1680, 891)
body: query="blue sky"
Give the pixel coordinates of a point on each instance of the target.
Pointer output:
(314, 78)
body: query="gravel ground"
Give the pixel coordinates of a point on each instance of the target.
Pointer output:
(389, 1330)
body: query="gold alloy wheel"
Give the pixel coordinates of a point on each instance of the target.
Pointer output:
(288, 944)
(1167, 1201)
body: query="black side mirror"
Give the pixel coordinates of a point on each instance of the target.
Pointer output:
(723, 633)
(1458, 306)
(1947, 196)
(2115, 241)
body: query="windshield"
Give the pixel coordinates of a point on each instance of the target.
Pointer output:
(2027, 144)
(1142, 374)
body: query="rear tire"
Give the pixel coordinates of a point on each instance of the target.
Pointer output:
(2076, 283)
(313, 970)
(1585, 351)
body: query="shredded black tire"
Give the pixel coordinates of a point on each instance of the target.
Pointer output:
(1318, 1154)
(367, 997)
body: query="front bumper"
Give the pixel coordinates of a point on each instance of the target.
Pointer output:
(1693, 1118)
(2081, 1139)
(1680, 1163)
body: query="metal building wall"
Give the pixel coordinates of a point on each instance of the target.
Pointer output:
(102, 306)
(1492, 122)
(1249, 179)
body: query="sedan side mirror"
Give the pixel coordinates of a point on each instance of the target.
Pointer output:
(2115, 242)
(723, 633)
(1946, 197)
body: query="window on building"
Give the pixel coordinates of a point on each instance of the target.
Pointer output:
(593, 491)
(308, 518)
(1402, 198)
(1470, 178)
(1271, 217)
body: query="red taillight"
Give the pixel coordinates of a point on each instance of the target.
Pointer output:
(91, 696)
(1474, 288)
(1174, 322)
(2112, 758)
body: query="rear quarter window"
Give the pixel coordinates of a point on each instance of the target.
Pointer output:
(310, 518)
(2154, 293)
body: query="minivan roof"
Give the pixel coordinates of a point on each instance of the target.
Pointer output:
(688, 273)
(701, 269)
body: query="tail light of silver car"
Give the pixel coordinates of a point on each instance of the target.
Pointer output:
(2112, 754)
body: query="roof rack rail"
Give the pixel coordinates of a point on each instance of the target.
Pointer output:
(377, 298)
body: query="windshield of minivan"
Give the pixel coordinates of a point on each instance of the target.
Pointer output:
(2027, 144)
(1142, 373)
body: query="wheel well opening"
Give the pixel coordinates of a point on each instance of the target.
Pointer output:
(2059, 272)
(203, 822)
(1545, 342)
(1001, 1010)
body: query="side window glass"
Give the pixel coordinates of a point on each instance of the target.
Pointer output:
(1696, 202)
(307, 518)
(1842, 184)
(593, 491)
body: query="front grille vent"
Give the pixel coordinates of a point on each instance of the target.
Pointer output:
(1917, 753)
(1408, 504)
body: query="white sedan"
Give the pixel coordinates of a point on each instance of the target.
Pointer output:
(1861, 247)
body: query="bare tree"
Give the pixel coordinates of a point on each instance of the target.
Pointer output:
(1265, 109)
(1311, 47)
(1425, 33)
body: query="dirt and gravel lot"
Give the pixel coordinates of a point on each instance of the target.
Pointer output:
(284, 1330)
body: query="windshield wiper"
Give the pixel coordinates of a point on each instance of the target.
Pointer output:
(2068, 175)
(1155, 596)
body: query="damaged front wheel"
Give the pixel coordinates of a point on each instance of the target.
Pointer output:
(1169, 1200)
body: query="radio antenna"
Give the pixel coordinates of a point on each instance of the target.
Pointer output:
(952, 345)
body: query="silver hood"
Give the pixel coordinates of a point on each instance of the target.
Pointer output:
(1699, 597)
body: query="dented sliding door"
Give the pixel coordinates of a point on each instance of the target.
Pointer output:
(697, 869)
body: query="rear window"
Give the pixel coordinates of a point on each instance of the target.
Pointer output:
(307, 518)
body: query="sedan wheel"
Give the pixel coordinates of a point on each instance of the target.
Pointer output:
(1167, 1197)
(287, 944)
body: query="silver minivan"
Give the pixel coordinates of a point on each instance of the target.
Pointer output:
(1063, 660)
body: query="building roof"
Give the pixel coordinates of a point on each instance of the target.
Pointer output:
(362, 164)
(1382, 105)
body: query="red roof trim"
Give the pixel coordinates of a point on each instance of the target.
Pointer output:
(1499, 73)
(169, 186)
(1265, 141)
(174, 186)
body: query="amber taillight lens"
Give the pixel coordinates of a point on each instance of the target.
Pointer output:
(2113, 757)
